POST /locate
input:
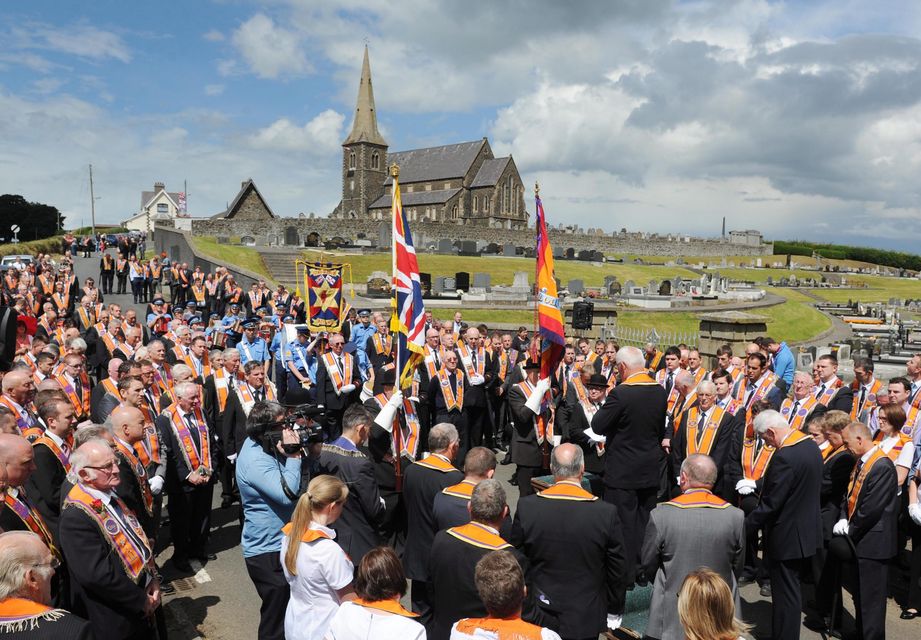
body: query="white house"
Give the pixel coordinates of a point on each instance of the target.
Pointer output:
(158, 204)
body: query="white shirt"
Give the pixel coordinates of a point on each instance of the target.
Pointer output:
(354, 622)
(322, 569)
(905, 455)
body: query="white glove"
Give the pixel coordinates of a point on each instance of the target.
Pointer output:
(477, 380)
(540, 390)
(614, 621)
(387, 414)
(557, 440)
(156, 485)
(840, 528)
(914, 511)
(396, 399)
(348, 388)
(543, 386)
(232, 457)
(745, 487)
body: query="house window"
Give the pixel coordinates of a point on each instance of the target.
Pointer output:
(476, 204)
(375, 160)
(352, 160)
(428, 187)
(485, 204)
(447, 185)
(163, 208)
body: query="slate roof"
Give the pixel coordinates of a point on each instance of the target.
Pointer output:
(147, 196)
(416, 198)
(490, 172)
(231, 209)
(435, 163)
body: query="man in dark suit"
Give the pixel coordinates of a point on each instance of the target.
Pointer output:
(51, 453)
(423, 480)
(532, 417)
(447, 395)
(866, 533)
(186, 441)
(338, 379)
(706, 429)
(455, 552)
(120, 598)
(134, 485)
(358, 528)
(104, 396)
(451, 506)
(789, 516)
(583, 582)
(584, 397)
(632, 420)
(477, 364)
(831, 390)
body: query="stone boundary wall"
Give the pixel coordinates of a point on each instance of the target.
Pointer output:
(427, 234)
(177, 247)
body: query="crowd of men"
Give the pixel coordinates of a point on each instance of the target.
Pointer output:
(633, 466)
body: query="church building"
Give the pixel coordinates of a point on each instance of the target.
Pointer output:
(461, 183)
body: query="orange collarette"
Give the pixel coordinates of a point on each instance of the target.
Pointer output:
(390, 606)
(567, 490)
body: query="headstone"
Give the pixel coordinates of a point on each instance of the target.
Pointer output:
(439, 285)
(481, 281)
(558, 253)
(570, 253)
(450, 284)
(520, 283)
(653, 287)
(492, 248)
(248, 241)
(462, 280)
(508, 250)
(629, 285)
(291, 237)
(665, 289)
(586, 255)
(425, 279)
(383, 235)
(468, 248)
(575, 287)
(223, 240)
(445, 246)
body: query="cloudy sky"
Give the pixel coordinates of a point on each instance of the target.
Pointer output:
(798, 118)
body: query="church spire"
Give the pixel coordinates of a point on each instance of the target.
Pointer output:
(364, 127)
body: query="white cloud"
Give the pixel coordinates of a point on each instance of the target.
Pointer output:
(270, 50)
(213, 36)
(214, 89)
(82, 40)
(321, 136)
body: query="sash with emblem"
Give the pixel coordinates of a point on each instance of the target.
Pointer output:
(22, 507)
(453, 394)
(81, 401)
(857, 480)
(543, 427)
(466, 356)
(806, 405)
(338, 378)
(896, 449)
(409, 433)
(26, 423)
(46, 440)
(702, 440)
(825, 397)
(197, 458)
(382, 344)
(869, 399)
(132, 548)
(247, 396)
(139, 471)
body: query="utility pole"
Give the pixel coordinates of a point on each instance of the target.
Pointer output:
(185, 190)
(92, 204)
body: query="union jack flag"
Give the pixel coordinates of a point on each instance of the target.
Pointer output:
(407, 322)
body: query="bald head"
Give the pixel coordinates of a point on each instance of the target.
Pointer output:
(114, 364)
(684, 381)
(18, 385)
(698, 472)
(16, 457)
(567, 462)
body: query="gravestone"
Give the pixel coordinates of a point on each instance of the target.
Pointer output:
(468, 248)
(450, 284)
(439, 285)
(629, 285)
(520, 283)
(575, 287)
(425, 280)
(248, 241)
(223, 240)
(508, 250)
(481, 281)
(614, 288)
(585, 255)
(570, 253)
(665, 289)
(462, 280)
(492, 248)
(653, 287)
(735, 328)
(445, 246)
(291, 237)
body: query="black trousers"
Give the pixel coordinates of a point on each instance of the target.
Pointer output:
(477, 425)
(633, 507)
(524, 476)
(269, 579)
(107, 277)
(122, 282)
(786, 597)
(190, 521)
(334, 423)
(870, 591)
(753, 566)
(137, 289)
(459, 420)
(914, 591)
(421, 602)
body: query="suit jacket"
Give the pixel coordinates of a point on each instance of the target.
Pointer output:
(680, 540)
(421, 483)
(475, 395)
(789, 509)
(720, 451)
(44, 487)
(62, 625)
(633, 421)
(176, 468)
(358, 528)
(436, 398)
(129, 490)
(233, 424)
(572, 422)
(326, 395)
(843, 400)
(102, 592)
(836, 473)
(578, 583)
(873, 526)
(526, 451)
(451, 511)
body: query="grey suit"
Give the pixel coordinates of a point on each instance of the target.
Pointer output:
(679, 540)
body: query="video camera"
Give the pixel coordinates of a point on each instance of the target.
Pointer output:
(302, 420)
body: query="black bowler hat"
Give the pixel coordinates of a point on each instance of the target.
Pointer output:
(597, 380)
(388, 378)
(530, 365)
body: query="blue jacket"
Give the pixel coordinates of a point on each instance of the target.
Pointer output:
(266, 508)
(785, 364)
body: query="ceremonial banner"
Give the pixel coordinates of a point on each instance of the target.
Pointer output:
(549, 315)
(324, 296)
(407, 322)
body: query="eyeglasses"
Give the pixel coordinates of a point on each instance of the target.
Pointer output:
(54, 563)
(104, 467)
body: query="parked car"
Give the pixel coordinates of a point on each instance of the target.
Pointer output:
(17, 261)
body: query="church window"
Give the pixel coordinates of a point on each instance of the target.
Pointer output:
(352, 160)
(447, 185)
(351, 185)
(506, 196)
(454, 212)
(485, 204)
(476, 204)
(375, 160)
(409, 188)
(428, 187)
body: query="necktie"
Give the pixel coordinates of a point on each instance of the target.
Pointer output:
(821, 391)
(260, 395)
(339, 364)
(793, 412)
(473, 359)
(703, 420)
(668, 383)
(121, 517)
(230, 383)
(749, 394)
(863, 395)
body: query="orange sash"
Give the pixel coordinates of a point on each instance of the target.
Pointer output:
(702, 443)
(830, 392)
(382, 347)
(27, 425)
(55, 449)
(140, 473)
(436, 462)
(806, 405)
(466, 356)
(868, 401)
(896, 449)
(22, 507)
(567, 490)
(247, 399)
(461, 490)
(134, 557)
(755, 461)
(478, 535)
(15, 612)
(543, 427)
(80, 403)
(310, 535)
(499, 628)
(195, 457)
(697, 498)
(339, 378)
(856, 483)
(390, 606)
(454, 398)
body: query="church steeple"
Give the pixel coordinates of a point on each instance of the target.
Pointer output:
(364, 127)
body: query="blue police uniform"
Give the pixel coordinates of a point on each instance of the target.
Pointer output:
(359, 338)
(232, 336)
(257, 350)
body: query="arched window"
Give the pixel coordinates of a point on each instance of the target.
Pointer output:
(454, 212)
(485, 204)
(375, 160)
(352, 160)
(476, 204)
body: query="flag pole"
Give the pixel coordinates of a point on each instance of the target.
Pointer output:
(536, 273)
(397, 428)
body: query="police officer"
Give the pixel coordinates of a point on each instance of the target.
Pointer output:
(228, 322)
(253, 347)
(298, 361)
(360, 335)
(278, 349)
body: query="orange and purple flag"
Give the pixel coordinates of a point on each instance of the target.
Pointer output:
(549, 314)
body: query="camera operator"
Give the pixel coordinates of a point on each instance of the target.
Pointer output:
(268, 476)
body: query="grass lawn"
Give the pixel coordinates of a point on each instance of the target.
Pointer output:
(880, 289)
(243, 257)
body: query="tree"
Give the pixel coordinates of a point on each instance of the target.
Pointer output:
(35, 220)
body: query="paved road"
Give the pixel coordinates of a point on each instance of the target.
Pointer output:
(219, 602)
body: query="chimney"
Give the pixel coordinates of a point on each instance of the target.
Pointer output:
(159, 186)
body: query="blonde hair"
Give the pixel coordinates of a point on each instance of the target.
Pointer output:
(321, 492)
(706, 608)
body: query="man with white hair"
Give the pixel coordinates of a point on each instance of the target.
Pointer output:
(26, 569)
(632, 421)
(788, 514)
(186, 442)
(18, 393)
(802, 407)
(108, 555)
